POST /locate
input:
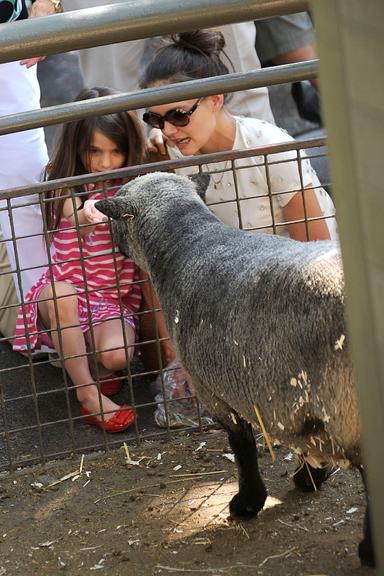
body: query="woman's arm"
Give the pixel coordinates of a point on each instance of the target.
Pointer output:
(152, 327)
(294, 210)
(152, 324)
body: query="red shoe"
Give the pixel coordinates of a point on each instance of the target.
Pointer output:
(111, 384)
(121, 419)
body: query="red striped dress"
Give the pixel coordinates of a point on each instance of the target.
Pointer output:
(92, 264)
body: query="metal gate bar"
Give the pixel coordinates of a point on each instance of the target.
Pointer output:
(130, 20)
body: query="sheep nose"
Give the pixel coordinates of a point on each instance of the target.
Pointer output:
(108, 207)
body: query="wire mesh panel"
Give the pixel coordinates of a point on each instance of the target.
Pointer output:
(40, 417)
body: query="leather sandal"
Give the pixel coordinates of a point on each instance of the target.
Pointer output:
(121, 419)
(111, 384)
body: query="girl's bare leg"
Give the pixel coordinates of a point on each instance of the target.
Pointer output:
(110, 345)
(72, 344)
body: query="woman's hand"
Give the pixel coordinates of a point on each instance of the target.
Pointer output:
(156, 142)
(29, 62)
(42, 8)
(92, 214)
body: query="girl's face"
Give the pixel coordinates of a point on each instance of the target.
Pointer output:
(199, 134)
(103, 154)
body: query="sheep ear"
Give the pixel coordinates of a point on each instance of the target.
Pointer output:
(201, 182)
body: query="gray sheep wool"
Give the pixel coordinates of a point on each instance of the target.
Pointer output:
(257, 321)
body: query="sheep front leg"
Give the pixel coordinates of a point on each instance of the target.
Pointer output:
(252, 493)
(366, 551)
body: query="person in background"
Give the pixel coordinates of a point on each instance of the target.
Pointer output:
(23, 156)
(286, 40)
(119, 65)
(87, 300)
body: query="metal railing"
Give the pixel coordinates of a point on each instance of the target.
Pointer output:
(159, 95)
(130, 20)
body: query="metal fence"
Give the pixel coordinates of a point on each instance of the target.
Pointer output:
(39, 414)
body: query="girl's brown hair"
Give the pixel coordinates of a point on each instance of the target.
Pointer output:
(74, 141)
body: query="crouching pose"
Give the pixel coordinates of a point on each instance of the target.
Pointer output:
(284, 197)
(77, 303)
(257, 321)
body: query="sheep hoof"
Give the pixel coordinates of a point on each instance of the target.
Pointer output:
(366, 554)
(306, 480)
(245, 507)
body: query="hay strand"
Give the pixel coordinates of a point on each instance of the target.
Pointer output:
(265, 433)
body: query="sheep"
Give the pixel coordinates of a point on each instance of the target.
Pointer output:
(257, 321)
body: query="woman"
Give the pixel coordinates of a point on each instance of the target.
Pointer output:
(279, 195)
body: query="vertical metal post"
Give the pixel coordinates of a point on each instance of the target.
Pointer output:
(350, 43)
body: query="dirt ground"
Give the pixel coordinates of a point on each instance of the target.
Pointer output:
(167, 513)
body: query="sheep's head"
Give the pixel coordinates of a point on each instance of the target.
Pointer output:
(148, 200)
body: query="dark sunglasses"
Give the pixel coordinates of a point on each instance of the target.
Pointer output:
(176, 117)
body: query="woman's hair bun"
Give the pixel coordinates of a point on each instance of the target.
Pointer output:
(186, 56)
(209, 41)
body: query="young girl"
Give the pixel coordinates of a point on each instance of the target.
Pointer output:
(203, 125)
(77, 302)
